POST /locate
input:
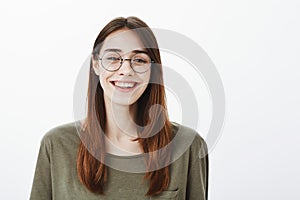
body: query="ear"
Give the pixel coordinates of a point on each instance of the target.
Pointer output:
(95, 64)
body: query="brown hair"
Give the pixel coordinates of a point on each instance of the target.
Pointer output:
(92, 172)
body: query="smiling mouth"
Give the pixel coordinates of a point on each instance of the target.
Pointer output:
(124, 84)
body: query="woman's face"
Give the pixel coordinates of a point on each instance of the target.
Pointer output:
(124, 86)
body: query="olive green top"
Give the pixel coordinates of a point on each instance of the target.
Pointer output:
(56, 172)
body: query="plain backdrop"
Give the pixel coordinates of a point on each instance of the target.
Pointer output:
(254, 44)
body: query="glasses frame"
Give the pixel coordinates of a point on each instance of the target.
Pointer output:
(122, 60)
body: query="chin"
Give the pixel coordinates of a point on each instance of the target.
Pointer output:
(123, 102)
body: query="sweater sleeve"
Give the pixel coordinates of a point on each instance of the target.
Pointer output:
(41, 186)
(197, 183)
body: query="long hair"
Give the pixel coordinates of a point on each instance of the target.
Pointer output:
(92, 172)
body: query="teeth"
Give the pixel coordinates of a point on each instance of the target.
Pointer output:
(124, 84)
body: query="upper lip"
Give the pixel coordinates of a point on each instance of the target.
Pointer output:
(124, 81)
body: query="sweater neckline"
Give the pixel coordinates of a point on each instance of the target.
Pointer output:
(124, 156)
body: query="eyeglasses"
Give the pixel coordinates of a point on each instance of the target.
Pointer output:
(139, 62)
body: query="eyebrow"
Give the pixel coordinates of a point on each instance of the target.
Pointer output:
(133, 51)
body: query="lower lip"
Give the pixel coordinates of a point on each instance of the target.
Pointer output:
(124, 89)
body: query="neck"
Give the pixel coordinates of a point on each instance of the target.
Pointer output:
(119, 121)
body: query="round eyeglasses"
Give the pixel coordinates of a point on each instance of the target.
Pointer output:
(139, 62)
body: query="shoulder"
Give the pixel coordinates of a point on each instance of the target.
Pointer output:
(190, 138)
(186, 132)
(62, 134)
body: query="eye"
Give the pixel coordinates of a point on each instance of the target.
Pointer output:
(112, 58)
(139, 60)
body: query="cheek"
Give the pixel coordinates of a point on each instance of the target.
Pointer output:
(103, 74)
(146, 77)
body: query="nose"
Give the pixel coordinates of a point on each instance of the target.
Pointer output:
(126, 68)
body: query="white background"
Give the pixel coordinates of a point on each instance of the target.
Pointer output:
(254, 44)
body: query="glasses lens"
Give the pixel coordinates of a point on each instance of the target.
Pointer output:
(111, 61)
(140, 62)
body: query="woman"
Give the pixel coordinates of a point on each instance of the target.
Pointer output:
(123, 122)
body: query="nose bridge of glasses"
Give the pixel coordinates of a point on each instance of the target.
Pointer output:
(125, 59)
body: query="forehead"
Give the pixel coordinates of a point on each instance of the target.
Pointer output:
(125, 40)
